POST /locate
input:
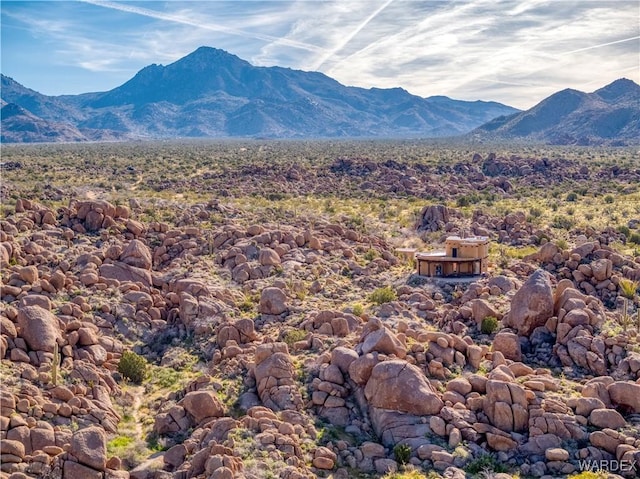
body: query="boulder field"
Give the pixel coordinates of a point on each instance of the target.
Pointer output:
(292, 377)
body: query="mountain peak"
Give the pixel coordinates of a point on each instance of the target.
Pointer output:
(619, 88)
(210, 56)
(606, 116)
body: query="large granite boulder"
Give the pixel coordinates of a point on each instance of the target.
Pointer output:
(137, 254)
(532, 305)
(400, 386)
(38, 327)
(89, 446)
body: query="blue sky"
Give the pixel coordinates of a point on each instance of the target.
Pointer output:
(515, 52)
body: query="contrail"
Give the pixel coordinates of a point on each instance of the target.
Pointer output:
(206, 26)
(349, 37)
(500, 82)
(601, 45)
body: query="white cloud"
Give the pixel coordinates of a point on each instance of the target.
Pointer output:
(511, 51)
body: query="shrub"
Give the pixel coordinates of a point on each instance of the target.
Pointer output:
(358, 310)
(485, 463)
(467, 200)
(572, 197)
(628, 288)
(535, 212)
(589, 475)
(608, 199)
(246, 306)
(462, 201)
(489, 325)
(562, 222)
(118, 444)
(624, 230)
(293, 336)
(132, 367)
(402, 453)
(411, 474)
(635, 238)
(382, 295)
(371, 254)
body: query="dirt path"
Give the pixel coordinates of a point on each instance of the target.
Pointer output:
(154, 459)
(138, 181)
(137, 392)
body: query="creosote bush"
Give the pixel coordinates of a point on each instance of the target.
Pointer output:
(383, 295)
(133, 367)
(489, 325)
(358, 310)
(293, 336)
(402, 453)
(485, 463)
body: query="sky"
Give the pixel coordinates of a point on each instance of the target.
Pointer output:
(514, 52)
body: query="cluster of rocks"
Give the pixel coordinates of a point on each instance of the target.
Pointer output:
(352, 176)
(513, 229)
(256, 253)
(32, 447)
(594, 268)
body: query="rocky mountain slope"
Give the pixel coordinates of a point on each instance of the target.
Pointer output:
(296, 344)
(22, 126)
(211, 93)
(608, 116)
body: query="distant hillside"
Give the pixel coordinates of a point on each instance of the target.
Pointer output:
(22, 126)
(211, 93)
(608, 116)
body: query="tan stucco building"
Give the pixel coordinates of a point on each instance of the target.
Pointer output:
(461, 257)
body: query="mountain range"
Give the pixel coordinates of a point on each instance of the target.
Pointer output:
(608, 116)
(212, 93)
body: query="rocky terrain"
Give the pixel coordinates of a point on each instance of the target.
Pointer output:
(279, 333)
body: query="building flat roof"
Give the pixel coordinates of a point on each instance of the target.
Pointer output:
(471, 240)
(431, 254)
(443, 257)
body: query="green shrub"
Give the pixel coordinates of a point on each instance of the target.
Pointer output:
(119, 444)
(489, 325)
(572, 197)
(485, 463)
(358, 310)
(535, 212)
(563, 222)
(371, 254)
(634, 238)
(462, 202)
(608, 199)
(562, 244)
(293, 336)
(132, 367)
(383, 295)
(624, 230)
(467, 200)
(402, 453)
